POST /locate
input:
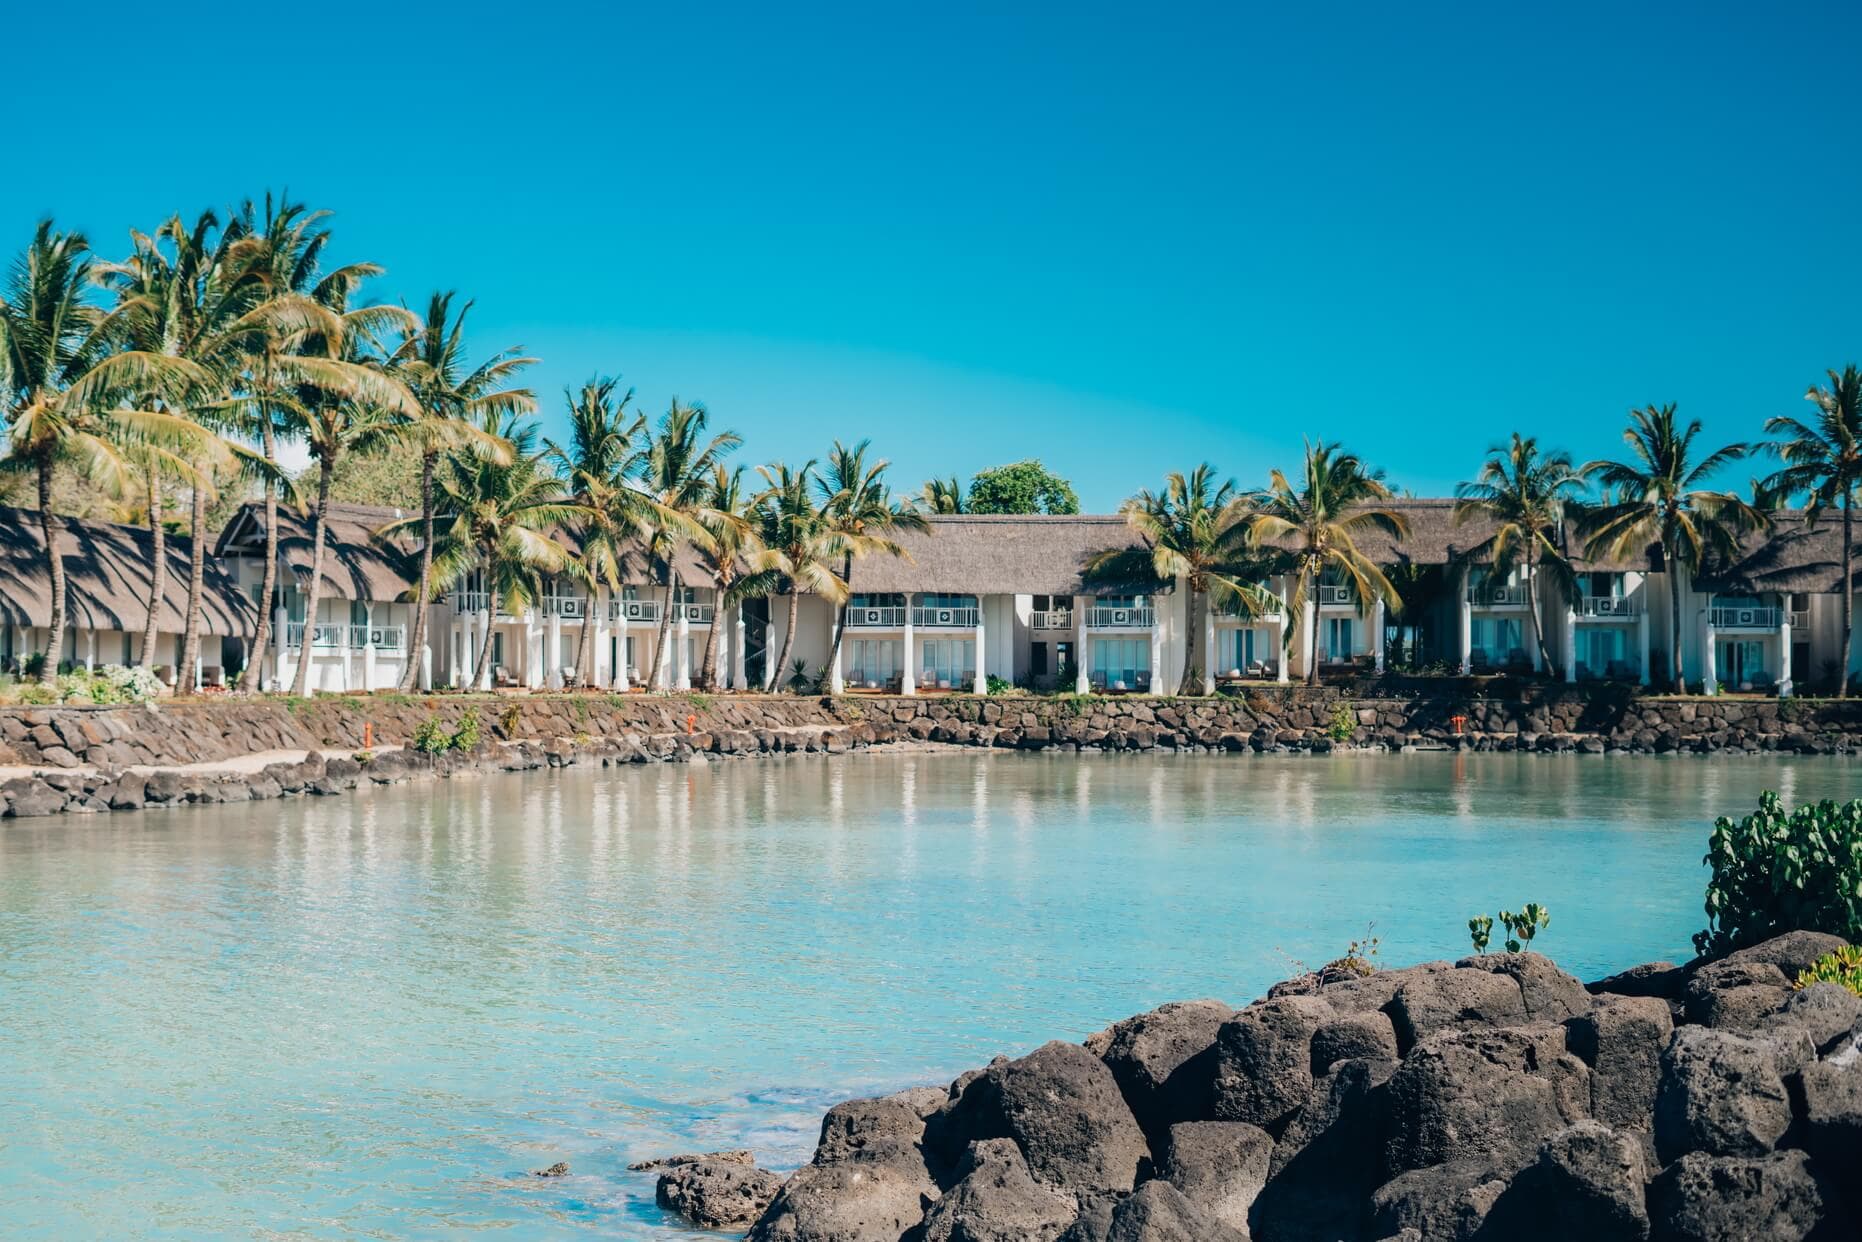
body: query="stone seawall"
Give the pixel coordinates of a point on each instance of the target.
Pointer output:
(1294, 718)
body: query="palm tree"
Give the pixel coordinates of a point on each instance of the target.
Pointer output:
(1196, 531)
(64, 389)
(456, 400)
(1337, 500)
(1824, 462)
(677, 476)
(501, 513)
(942, 496)
(605, 450)
(726, 559)
(797, 544)
(1525, 495)
(1659, 500)
(281, 245)
(860, 511)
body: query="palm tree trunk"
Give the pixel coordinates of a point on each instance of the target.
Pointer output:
(585, 645)
(1842, 674)
(660, 659)
(1186, 687)
(410, 676)
(788, 642)
(196, 578)
(709, 671)
(840, 615)
(484, 652)
(1532, 608)
(158, 570)
(315, 590)
(254, 676)
(49, 527)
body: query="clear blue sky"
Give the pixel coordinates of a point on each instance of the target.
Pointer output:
(1120, 240)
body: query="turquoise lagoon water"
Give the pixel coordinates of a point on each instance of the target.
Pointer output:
(369, 1017)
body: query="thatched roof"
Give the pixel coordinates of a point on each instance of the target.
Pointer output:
(107, 572)
(996, 555)
(1790, 557)
(356, 565)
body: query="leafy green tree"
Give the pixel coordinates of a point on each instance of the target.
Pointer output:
(1021, 487)
(861, 512)
(1316, 524)
(1197, 531)
(677, 475)
(798, 544)
(65, 390)
(1823, 462)
(1659, 500)
(1525, 495)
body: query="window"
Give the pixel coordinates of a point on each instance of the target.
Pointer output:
(1234, 650)
(879, 600)
(1037, 659)
(1603, 651)
(875, 662)
(1119, 601)
(1742, 661)
(1496, 640)
(1121, 663)
(1604, 585)
(358, 612)
(1339, 632)
(497, 647)
(948, 662)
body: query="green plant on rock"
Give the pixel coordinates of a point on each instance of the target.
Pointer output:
(997, 685)
(430, 736)
(1843, 968)
(509, 718)
(1343, 724)
(1776, 871)
(699, 702)
(1522, 927)
(1480, 930)
(465, 737)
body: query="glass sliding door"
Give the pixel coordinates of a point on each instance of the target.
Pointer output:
(875, 663)
(947, 663)
(1121, 663)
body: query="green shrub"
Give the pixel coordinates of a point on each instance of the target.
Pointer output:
(1776, 871)
(1522, 927)
(1480, 930)
(1343, 724)
(997, 685)
(430, 737)
(1843, 968)
(465, 737)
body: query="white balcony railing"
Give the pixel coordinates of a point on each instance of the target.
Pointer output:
(1736, 617)
(944, 618)
(1337, 596)
(334, 635)
(381, 637)
(1608, 606)
(693, 614)
(1052, 619)
(325, 634)
(876, 618)
(568, 607)
(1102, 617)
(471, 601)
(633, 610)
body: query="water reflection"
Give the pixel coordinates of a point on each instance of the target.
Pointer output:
(378, 1011)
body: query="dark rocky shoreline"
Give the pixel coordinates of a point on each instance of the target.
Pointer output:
(1494, 1097)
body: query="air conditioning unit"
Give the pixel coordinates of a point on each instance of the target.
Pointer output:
(1499, 595)
(633, 610)
(872, 616)
(1119, 616)
(944, 616)
(1745, 616)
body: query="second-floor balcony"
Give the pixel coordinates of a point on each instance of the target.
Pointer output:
(1800, 617)
(692, 614)
(1744, 617)
(1499, 595)
(335, 635)
(633, 610)
(475, 602)
(1121, 617)
(568, 607)
(1330, 595)
(940, 618)
(887, 617)
(1051, 619)
(1609, 607)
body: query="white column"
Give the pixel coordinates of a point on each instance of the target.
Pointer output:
(682, 655)
(342, 655)
(1784, 649)
(620, 652)
(1467, 634)
(598, 617)
(662, 657)
(426, 666)
(1709, 658)
(280, 630)
(484, 638)
(981, 685)
(1082, 669)
(1310, 635)
(90, 649)
(1208, 686)
(1283, 652)
(1642, 637)
(1571, 644)
(552, 651)
(368, 647)
(738, 630)
(908, 683)
(1377, 634)
(1158, 680)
